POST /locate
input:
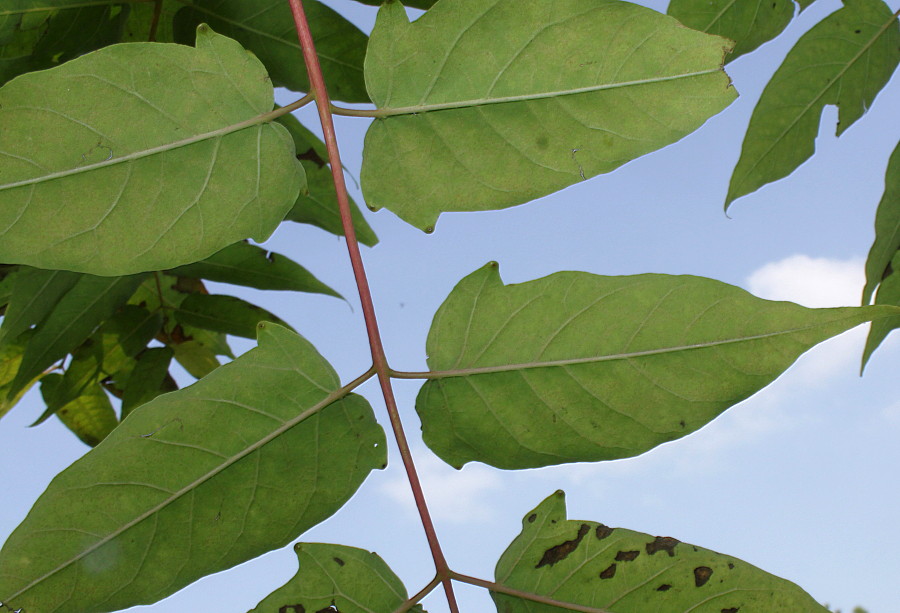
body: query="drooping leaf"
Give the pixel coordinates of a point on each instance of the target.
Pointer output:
(749, 23)
(485, 106)
(227, 314)
(577, 367)
(887, 229)
(266, 27)
(142, 165)
(621, 571)
(844, 60)
(35, 293)
(90, 415)
(61, 36)
(888, 293)
(319, 206)
(236, 463)
(337, 578)
(148, 379)
(89, 303)
(252, 266)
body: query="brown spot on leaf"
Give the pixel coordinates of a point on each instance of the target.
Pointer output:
(665, 587)
(662, 543)
(731, 610)
(609, 572)
(603, 531)
(561, 551)
(702, 575)
(730, 566)
(339, 561)
(532, 517)
(312, 156)
(292, 608)
(627, 556)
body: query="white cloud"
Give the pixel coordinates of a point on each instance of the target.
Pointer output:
(812, 282)
(460, 496)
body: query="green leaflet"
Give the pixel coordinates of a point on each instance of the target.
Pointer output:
(140, 22)
(749, 23)
(229, 463)
(888, 293)
(90, 416)
(148, 379)
(252, 266)
(844, 60)
(337, 578)
(75, 317)
(621, 571)
(887, 229)
(139, 164)
(266, 27)
(227, 314)
(485, 106)
(319, 207)
(35, 293)
(10, 359)
(45, 39)
(577, 367)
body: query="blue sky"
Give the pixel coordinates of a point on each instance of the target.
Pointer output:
(799, 480)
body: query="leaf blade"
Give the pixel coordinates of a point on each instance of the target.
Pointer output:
(577, 367)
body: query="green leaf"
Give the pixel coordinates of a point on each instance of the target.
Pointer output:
(89, 303)
(266, 27)
(148, 379)
(140, 22)
(888, 293)
(196, 358)
(61, 36)
(887, 229)
(10, 359)
(472, 120)
(319, 207)
(621, 571)
(35, 293)
(236, 462)
(90, 415)
(419, 4)
(337, 578)
(749, 23)
(844, 60)
(227, 314)
(577, 367)
(252, 266)
(144, 167)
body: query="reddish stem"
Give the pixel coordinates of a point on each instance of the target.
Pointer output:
(379, 360)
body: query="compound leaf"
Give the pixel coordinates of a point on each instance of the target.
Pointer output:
(148, 177)
(337, 578)
(195, 482)
(252, 266)
(486, 104)
(577, 367)
(749, 23)
(621, 571)
(844, 60)
(266, 27)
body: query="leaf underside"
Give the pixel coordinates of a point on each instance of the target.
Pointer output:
(123, 189)
(195, 482)
(843, 60)
(576, 367)
(621, 571)
(495, 103)
(337, 578)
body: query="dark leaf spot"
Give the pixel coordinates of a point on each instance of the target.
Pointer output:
(662, 543)
(312, 156)
(603, 531)
(730, 566)
(561, 551)
(681, 423)
(702, 575)
(532, 517)
(857, 31)
(609, 572)
(292, 608)
(339, 561)
(330, 609)
(627, 556)
(731, 610)
(665, 587)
